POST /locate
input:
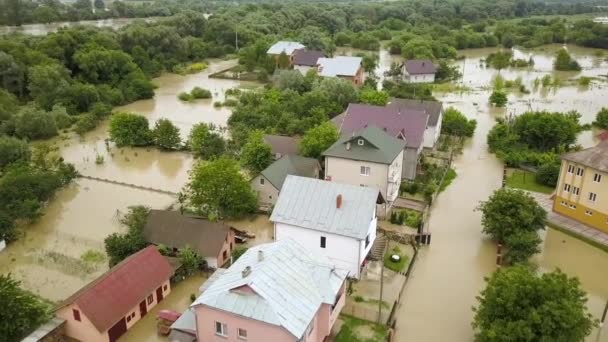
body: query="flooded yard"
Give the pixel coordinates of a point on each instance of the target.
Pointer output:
(450, 272)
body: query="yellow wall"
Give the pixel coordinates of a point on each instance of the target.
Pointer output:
(564, 200)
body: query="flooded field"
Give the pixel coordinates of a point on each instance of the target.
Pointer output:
(449, 273)
(42, 29)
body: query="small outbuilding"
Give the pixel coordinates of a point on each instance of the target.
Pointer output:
(419, 71)
(212, 241)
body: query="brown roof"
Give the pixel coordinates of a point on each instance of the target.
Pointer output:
(595, 157)
(107, 299)
(307, 57)
(420, 67)
(173, 229)
(283, 145)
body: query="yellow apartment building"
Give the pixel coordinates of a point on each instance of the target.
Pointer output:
(582, 188)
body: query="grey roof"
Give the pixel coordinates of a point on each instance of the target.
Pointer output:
(395, 119)
(173, 229)
(339, 66)
(432, 108)
(186, 322)
(282, 144)
(420, 67)
(284, 46)
(307, 57)
(378, 146)
(311, 203)
(285, 288)
(595, 157)
(214, 276)
(290, 165)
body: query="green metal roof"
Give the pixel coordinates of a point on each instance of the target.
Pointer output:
(290, 165)
(378, 146)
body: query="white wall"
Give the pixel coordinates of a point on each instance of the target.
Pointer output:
(211, 262)
(343, 251)
(432, 133)
(302, 68)
(395, 172)
(410, 162)
(371, 232)
(425, 78)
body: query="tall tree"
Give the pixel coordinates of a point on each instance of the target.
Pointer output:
(519, 305)
(205, 142)
(318, 139)
(128, 129)
(256, 154)
(218, 190)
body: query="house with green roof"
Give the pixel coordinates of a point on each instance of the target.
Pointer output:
(269, 182)
(369, 157)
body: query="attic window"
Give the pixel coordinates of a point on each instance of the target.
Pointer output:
(360, 142)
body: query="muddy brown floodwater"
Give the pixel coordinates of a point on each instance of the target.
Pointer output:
(449, 273)
(82, 215)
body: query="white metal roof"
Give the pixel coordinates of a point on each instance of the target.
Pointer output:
(311, 203)
(285, 288)
(339, 66)
(284, 46)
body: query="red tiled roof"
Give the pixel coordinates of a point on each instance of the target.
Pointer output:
(110, 297)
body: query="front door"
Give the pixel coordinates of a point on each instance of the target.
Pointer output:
(143, 309)
(159, 294)
(117, 330)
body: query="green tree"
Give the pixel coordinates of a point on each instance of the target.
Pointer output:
(12, 150)
(166, 135)
(500, 60)
(342, 92)
(48, 83)
(283, 61)
(521, 246)
(545, 131)
(373, 97)
(21, 312)
(519, 305)
(205, 142)
(189, 259)
(601, 119)
(290, 79)
(510, 211)
(456, 124)
(564, 62)
(217, 189)
(256, 154)
(33, 123)
(498, 98)
(318, 139)
(370, 62)
(128, 129)
(120, 245)
(548, 173)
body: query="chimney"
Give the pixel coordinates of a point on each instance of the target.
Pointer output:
(348, 146)
(339, 201)
(246, 271)
(260, 255)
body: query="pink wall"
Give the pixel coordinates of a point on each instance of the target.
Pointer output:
(226, 247)
(85, 330)
(259, 331)
(256, 330)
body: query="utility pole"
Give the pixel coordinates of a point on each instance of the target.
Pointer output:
(236, 39)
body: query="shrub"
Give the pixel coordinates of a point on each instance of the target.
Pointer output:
(601, 119)
(498, 98)
(185, 97)
(85, 123)
(200, 93)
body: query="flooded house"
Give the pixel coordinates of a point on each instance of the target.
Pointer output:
(400, 121)
(281, 145)
(331, 219)
(213, 241)
(287, 47)
(278, 291)
(582, 188)
(269, 182)
(107, 307)
(369, 157)
(418, 71)
(305, 60)
(344, 67)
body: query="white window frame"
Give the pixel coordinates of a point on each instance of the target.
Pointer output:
(570, 168)
(588, 212)
(580, 172)
(363, 169)
(567, 187)
(360, 142)
(597, 178)
(592, 197)
(223, 327)
(564, 203)
(239, 336)
(576, 191)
